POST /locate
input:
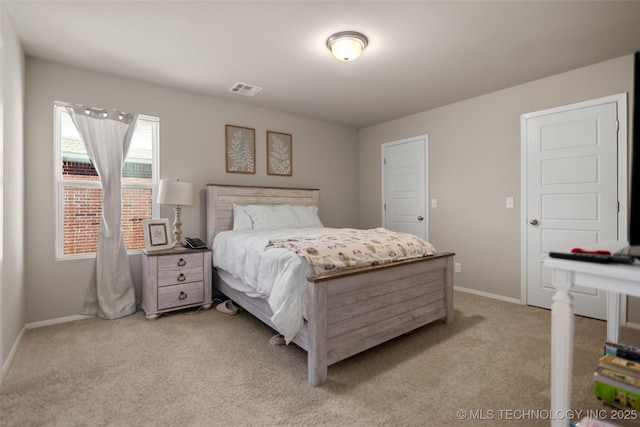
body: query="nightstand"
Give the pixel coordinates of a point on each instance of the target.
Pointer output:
(173, 280)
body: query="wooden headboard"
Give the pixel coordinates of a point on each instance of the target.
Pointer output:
(220, 200)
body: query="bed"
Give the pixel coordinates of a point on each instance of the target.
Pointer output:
(350, 311)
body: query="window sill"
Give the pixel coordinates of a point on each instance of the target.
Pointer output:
(92, 255)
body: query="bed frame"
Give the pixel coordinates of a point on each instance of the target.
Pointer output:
(351, 311)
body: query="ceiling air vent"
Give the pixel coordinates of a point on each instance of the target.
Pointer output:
(244, 89)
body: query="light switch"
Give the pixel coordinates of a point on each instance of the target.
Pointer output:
(509, 203)
(434, 203)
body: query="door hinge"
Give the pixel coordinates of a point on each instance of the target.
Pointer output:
(618, 206)
(384, 161)
(385, 206)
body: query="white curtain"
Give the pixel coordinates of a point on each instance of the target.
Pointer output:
(107, 136)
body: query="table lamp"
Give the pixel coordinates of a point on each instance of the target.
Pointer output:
(177, 193)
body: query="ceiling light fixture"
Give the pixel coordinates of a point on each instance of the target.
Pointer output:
(347, 45)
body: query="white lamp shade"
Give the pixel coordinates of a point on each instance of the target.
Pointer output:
(175, 193)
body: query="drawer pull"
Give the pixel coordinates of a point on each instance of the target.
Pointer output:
(182, 278)
(182, 262)
(182, 296)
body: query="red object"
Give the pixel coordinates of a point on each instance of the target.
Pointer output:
(584, 251)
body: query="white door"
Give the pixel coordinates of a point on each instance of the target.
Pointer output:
(571, 187)
(404, 186)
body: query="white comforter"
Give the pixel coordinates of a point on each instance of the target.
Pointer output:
(276, 274)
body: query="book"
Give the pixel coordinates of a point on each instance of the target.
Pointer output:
(614, 391)
(620, 364)
(629, 380)
(622, 350)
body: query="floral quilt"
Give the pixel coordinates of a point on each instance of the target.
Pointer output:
(346, 248)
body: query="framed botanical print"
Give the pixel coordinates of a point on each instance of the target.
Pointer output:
(240, 149)
(279, 158)
(156, 234)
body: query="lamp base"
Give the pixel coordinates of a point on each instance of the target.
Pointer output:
(177, 231)
(178, 246)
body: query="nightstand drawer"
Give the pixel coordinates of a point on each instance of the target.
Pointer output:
(181, 261)
(177, 295)
(183, 275)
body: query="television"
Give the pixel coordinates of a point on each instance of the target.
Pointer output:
(634, 185)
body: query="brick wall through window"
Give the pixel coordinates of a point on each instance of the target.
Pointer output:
(83, 207)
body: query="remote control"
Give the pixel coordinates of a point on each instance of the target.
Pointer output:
(593, 257)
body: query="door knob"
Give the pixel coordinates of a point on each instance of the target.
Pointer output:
(420, 218)
(533, 222)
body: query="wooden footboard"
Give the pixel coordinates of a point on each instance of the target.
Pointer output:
(353, 311)
(360, 309)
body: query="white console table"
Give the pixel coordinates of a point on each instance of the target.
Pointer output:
(615, 279)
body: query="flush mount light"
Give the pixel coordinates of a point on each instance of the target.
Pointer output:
(347, 45)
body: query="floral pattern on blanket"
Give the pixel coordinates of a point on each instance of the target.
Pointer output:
(349, 248)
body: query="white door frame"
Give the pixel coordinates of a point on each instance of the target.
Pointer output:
(425, 138)
(621, 102)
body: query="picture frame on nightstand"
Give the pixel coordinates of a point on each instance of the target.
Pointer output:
(156, 234)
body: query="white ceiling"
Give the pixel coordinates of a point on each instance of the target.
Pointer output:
(421, 54)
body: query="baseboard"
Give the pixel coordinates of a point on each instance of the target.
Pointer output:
(632, 325)
(50, 322)
(487, 294)
(33, 325)
(12, 353)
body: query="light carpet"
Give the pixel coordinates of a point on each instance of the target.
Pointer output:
(492, 364)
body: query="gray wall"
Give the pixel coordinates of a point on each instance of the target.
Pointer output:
(13, 293)
(475, 165)
(192, 129)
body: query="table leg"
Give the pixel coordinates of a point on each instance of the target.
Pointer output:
(562, 327)
(613, 316)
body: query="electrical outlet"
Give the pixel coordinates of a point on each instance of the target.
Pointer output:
(458, 267)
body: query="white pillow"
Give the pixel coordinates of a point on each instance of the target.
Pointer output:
(241, 219)
(271, 216)
(282, 216)
(307, 216)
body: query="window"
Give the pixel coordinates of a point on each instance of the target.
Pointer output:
(79, 192)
